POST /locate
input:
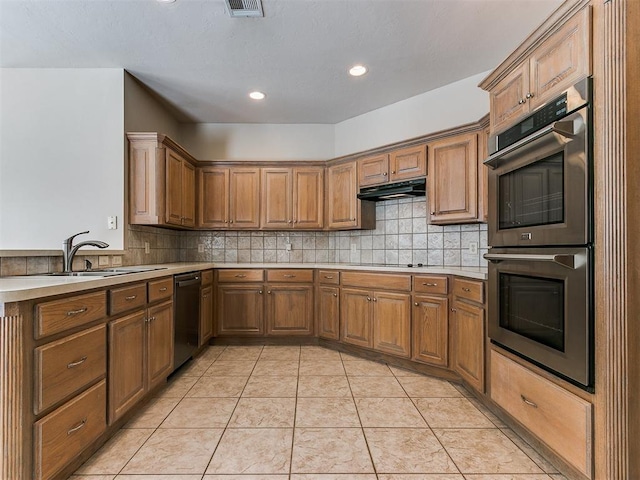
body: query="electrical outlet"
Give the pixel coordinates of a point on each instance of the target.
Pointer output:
(116, 261)
(147, 248)
(103, 261)
(287, 247)
(473, 248)
(201, 248)
(354, 248)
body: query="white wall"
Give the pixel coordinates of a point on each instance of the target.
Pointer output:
(446, 107)
(216, 141)
(61, 156)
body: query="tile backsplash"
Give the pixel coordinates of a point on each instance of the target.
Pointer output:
(402, 235)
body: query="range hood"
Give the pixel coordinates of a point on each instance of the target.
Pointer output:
(389, 191)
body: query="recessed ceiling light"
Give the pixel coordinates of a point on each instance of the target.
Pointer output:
(358, 70)
(257, 95)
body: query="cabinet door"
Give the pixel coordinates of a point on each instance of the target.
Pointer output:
(308, 197)
(355, 316)
(468, 343)
(392, 323)
(483, 175)
(508, 100)
(342, 202)
(127, 375)
(159, 343)
(188, 195)
(408, 163)
(290, 310)
(373, 170)
(561, 60)
(329, 312)
(240, 310)
(214, 197)
(453, 179)
(431, 330)
(245, 198)
(206, 315)
(173, 214)
(276, 198)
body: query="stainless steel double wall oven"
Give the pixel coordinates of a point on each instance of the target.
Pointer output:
(540, 237)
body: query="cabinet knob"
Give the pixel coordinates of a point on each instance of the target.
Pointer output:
(289, 221)
(522, 101)
(433, 213)
(335, 294)
(384, 174)
(375, 299)
(393, 171)
(269, 292)
(454, 310)
(368, 299)
(260, 292)
(230, 221)
(416, 304)
(353, 219)
(530, 95)
(465, 289)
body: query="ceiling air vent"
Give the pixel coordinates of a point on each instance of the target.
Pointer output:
(245, 8)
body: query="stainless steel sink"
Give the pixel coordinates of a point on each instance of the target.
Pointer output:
(107, 272)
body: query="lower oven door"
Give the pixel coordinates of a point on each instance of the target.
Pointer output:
(540, 308)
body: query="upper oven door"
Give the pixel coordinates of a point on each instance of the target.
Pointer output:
(539, 187)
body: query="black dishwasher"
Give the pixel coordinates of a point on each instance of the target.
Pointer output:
(186, 317)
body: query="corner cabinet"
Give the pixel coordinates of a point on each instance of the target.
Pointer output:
(162, 182)
(344, 210)
(452, 181)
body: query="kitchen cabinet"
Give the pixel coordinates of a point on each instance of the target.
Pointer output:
(240, 302)
(206, 308)
(430, 327)
(483, 175)
(376, 318)
(162, 182)
(452, 182)
(181, 188)
(328, 318)
(229, 198)
(140, 349)
(344, 210)
(469, 331)
(556, 64)
(289, 310)
(395, 166)
(292, 198)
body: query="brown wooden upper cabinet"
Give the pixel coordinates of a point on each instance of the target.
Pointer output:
(292, 198)
(344, 210)
(453, 179)
(402, 164)
(229, 198)
(553, 66)
(161, 182)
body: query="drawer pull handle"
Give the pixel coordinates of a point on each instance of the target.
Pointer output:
(289, 276)
(71, 313)
(465, 289)
(130, 297)
(163, 289)
(76, 363)
(330, 277)
(240, 275)
(528, 402)
(77, 427)
(430, 284)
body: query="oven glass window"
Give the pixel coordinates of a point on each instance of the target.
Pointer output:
(534, 308)
(532, 195)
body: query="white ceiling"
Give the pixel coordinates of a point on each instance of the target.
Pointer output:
(203, 63)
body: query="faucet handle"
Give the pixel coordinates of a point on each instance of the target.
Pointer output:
(69, 240)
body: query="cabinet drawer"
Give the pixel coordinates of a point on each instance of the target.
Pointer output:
(160, 289)
(238, 275)
(207, 277)
(388, 281)
(559, 418)
(127, 298)
(62, 435)
(67, 365)
(469, 289)
(329, 277)
(290, 275)
(430, 284)
(61, 315)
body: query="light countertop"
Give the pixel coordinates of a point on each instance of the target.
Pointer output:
(19, 288)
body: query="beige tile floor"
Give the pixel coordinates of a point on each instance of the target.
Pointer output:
(303, 413)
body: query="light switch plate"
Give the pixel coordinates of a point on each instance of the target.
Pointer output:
(112, 223)
(200, 248)
(147, 248)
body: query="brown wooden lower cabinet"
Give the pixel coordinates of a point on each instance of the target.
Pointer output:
(431, 330)
(329, 312)
(290, 310)
(240, 310)
(159, 343)
(467, 321)
(355, 316)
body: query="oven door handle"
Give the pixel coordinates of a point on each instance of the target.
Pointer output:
(563, 127)
(564, 260)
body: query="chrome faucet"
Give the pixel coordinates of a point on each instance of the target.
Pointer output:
(70, 250)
